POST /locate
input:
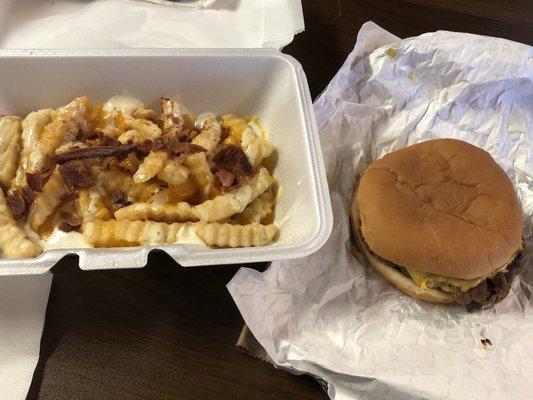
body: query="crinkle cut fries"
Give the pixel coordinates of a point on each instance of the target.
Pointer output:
(124, 175)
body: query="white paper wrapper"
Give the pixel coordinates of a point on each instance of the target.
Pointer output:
(184, 3)
(329, 315)
(96, 24)
(22, 310)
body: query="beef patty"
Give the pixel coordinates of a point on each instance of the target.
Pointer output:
(489, 292)
(492, 290)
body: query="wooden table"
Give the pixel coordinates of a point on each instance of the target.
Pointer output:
(166, 332)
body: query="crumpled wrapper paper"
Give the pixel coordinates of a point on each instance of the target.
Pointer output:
(331, 316)
(97, 24)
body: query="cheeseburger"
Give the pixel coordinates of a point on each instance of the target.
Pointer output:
(440, 220)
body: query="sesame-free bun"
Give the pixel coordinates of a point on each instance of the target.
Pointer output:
(442, 206)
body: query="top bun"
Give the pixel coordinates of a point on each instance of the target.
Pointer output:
(442, 206)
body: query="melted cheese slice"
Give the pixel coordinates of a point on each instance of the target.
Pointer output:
(433, 281)
(427, 280)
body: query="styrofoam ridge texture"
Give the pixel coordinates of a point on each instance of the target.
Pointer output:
(245, 82)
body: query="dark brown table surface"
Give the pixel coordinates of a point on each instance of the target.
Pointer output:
(166, 332)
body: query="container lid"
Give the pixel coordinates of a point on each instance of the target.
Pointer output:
(64, 24)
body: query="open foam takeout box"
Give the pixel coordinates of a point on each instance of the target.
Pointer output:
(245, 82)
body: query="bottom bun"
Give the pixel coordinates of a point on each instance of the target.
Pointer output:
(391, 274)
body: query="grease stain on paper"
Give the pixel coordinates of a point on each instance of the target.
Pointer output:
(392, 53)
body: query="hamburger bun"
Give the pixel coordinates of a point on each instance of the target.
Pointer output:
(443, 207)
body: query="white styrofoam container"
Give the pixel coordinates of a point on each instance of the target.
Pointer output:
(245, 82)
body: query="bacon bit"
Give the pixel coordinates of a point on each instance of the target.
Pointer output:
(95, 135)
(184, 147)
(176, 146)
(144, 148)
(159, 145)
(69, 196)
(115, 150)
(119, 200)
(37, 180)
(69, 222)
(109, 141)
(16, 203)
(186, 135)
(118, 196)
(76, 175)
(107, 162)
(29, 195)
(98, 138)
(224, 133)
(130, 164)
(231, 159)
(225, 177)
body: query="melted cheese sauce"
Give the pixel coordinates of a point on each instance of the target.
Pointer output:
(254, 124)
(122, 102)
(75, 240)
(201, 120)
(6, 125)
(187, 235)
(64, 240)
(111, 115)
